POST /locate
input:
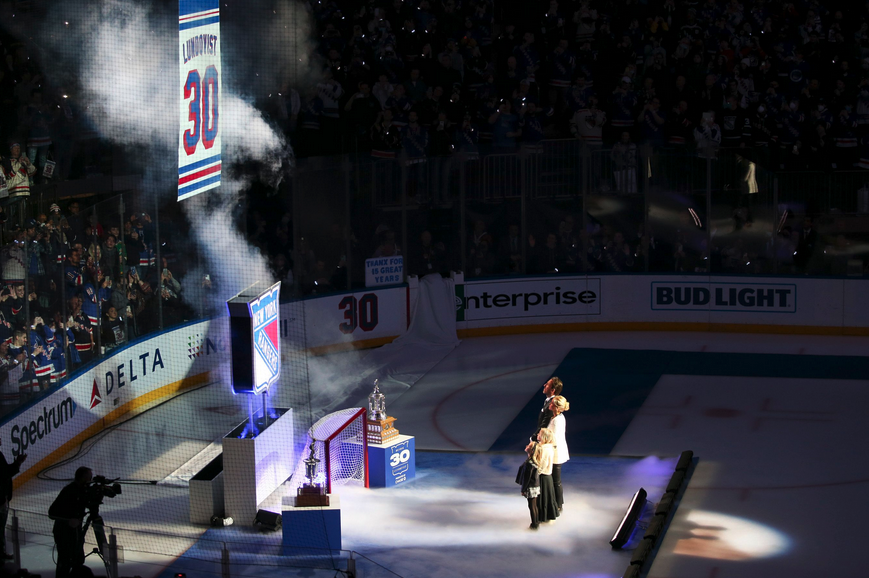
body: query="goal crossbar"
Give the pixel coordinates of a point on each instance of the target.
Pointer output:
(327, 442)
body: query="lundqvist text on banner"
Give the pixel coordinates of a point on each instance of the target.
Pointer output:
(199, 144)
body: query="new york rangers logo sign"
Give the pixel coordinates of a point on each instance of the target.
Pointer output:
(266, 339)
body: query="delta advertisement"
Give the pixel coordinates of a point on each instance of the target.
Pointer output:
(131, 378)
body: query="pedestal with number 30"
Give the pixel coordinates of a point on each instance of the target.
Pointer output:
(392, 463)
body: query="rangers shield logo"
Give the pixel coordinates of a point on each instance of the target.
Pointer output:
(266, 339)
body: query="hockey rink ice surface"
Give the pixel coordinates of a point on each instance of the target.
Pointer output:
(779, 425)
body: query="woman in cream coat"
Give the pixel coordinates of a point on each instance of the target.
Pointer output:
(558, 405)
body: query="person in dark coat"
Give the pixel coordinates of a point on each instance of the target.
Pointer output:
(68, 511)
(7, 471)
(551, 388)
(806, 246)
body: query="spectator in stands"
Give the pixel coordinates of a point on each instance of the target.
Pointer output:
(385, 137)
(113, 333)
(442, 136)
(624, 158)
(570, 244)
(505, 128)
(805, 255)
(12, 258)
(363, 110)
(110, 260)
(708, 137)
(137, 252)
(414, 144)
(481, 261)
(329, 91)
(387, 246)
(510, 251)
(550, 257)
(587, 124)
(619, 257)
(18, 170)
(96, 290)
(414, 140)
(304, 261)
(428, 257)
(532, 122)
(415, 85)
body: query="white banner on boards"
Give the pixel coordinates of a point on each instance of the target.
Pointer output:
(381, 271)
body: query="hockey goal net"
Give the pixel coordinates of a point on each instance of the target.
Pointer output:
(341, 446)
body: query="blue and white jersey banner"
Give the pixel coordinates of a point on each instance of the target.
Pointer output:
(199, 108)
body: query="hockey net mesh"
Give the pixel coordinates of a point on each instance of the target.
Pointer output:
(338, 440)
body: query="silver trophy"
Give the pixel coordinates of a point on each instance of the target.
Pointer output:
(376, 404)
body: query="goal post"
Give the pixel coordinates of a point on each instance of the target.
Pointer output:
(334, 441)
(341, 446)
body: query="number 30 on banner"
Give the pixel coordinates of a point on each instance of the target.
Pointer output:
(204, 108)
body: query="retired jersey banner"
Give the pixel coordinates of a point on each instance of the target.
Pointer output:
(199, 107)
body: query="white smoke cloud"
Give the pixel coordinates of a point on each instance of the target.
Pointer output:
(127, 72)
(122, 55)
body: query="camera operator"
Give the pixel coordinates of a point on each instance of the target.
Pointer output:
(7, 470)
(68, 512)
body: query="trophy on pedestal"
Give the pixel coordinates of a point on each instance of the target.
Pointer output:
(380, 426)
(311, 493)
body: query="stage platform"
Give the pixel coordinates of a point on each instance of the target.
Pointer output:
(773, 421)
(463, 511)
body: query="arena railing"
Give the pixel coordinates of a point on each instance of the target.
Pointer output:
(151, 547)
(674, 211)
(677, 211)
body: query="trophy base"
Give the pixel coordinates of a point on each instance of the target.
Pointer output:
(312, 496)
(312, 500)
(382, 431)
(379, 440)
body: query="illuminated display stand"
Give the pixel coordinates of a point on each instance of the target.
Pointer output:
(258, 454)
(255, 466)
(391, 456)
(392, 463)
(310, 528)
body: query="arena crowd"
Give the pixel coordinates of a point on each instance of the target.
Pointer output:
(411, 82)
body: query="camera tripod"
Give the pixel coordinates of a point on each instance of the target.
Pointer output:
(95, 521)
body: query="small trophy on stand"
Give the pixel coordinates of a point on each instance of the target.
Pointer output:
(380, 426)
(310, 493)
